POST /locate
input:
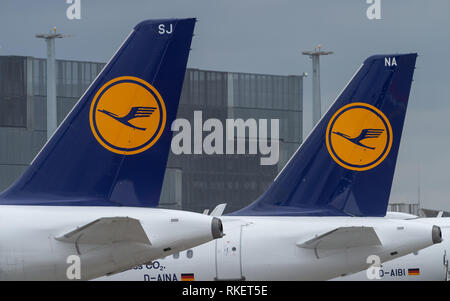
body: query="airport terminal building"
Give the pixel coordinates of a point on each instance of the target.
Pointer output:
(193, 182)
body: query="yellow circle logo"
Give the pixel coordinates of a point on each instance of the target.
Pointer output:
(127, 115)
(359, 136)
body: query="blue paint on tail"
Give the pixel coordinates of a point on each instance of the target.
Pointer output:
(346, 166)
(77, 168)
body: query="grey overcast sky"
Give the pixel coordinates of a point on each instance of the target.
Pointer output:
(266, 36)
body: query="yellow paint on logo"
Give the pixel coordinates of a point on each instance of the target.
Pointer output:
(359, 136)
(127, 115)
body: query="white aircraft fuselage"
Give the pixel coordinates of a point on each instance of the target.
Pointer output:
(274, 248)
(34, 245)
(429, 264)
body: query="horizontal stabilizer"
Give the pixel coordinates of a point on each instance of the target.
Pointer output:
(108, 230)
(218, 211)
(343, 238)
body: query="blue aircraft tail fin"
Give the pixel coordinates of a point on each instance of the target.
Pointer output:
(112, 148)
(346, 165)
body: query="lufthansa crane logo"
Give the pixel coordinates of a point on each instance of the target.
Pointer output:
(359, 136)
(127, 115)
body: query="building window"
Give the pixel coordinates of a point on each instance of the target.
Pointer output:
(13, 99)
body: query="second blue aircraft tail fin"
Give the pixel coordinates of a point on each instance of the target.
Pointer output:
(346, 165)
